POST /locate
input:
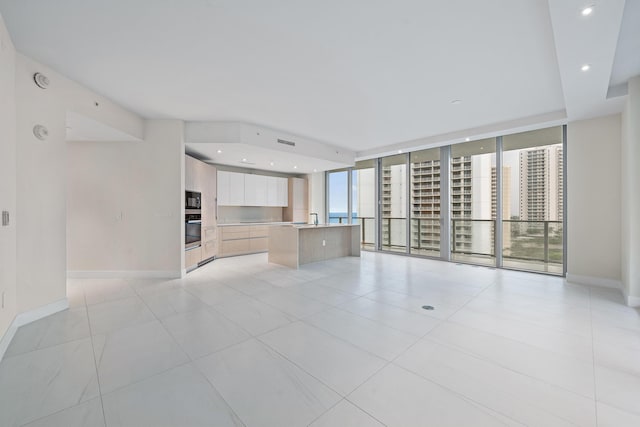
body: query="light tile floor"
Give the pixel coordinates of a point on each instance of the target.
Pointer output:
(338, 343)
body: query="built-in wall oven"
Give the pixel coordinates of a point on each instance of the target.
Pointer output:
(192, 220)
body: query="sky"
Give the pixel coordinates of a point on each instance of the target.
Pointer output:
(338, 191)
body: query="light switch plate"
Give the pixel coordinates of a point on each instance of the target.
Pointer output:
(5, 218)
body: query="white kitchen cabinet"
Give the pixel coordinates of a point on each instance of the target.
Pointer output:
(272, 191)
(236, 189)
(223, 188)
(230, 189)
(239, 189)
(255, 190)
(190, 173)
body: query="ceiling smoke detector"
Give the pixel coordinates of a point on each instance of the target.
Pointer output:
(41, 80)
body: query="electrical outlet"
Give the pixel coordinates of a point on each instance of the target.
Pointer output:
(324, 243)
(5, 218)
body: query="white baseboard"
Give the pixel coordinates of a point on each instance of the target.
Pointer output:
(630, 300)
(633, 301)
(595, 281)
(28, 317)
(127, 274)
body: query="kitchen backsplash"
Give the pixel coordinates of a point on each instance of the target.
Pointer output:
(235, 214)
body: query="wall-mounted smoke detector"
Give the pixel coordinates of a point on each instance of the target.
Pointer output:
(40, 132)
(41, 80)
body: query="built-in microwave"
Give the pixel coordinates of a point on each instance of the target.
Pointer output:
(192, 200)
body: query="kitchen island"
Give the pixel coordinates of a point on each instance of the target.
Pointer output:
(295, 245)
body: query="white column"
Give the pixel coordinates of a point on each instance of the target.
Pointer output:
(631, 195)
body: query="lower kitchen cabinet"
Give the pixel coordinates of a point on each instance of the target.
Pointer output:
(192, 257)
(243, 239)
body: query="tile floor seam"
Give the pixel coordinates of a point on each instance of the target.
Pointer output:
(206, 378)
(495, 410)
(469, 353)
(249, 332)
(378, 321)
(108, 300)
(593, 355)
(460, 395)
(93, 353)
(344, 399)
(183, 350)
(534, 324)
(293, 315)
(210, 307)
(301, 368)
(344, 340)
(557, 353)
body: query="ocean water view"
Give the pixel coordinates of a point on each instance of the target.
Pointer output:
(336, 217)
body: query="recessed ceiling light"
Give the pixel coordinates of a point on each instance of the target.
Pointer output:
(295, 167)
(244, 160)
(587, 11)
(315, 170)
(467, 139)
(219, 151)
(456, 101)
(271, 163)
(399, 151)
(585, 67)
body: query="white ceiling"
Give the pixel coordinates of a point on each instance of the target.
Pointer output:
(358, 74)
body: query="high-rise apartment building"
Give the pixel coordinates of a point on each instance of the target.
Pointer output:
(472, 197)
(541, 184)
(425, 205)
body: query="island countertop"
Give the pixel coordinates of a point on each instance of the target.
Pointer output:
(295, 245)
(322, 225)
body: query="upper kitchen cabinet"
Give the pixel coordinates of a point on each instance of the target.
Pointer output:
(190, 174)
(255, 190)
(238, 189)
(283, 192)
(277, 194)
(230, 188)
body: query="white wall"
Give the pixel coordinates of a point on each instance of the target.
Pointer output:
(124, 211)
(7, 179)
(630, 177)
(42, 179)
(593, 201)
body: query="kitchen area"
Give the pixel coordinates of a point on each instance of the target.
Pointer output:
(231, 213)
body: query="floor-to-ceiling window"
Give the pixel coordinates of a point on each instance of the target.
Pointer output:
(393, 197)
(473, 201)
(496, 201)
(363, 188)
(533, 200)
(425, 202)
(338, 196)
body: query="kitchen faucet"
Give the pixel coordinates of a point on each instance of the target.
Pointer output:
(315, 219)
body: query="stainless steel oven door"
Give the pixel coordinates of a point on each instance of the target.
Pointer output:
(193, 233)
